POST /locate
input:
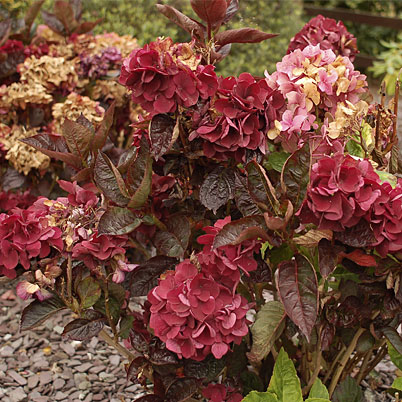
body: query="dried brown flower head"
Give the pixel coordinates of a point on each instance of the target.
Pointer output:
(73, 107)
(19, 94)
(23, 157)
(110, 90)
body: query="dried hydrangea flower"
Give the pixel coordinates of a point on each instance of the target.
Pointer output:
(23, 157)
(19, 94)
(74, 106)
(109, 90)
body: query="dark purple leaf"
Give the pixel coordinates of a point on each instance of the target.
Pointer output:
(82, 175)
(99, 139)
(393, 337)
(55, 147)
(126, 158)
(232, 9)
(218, 188)
(243, 199)
(145, 277)
(39, 311)
(139, 176)
(327, 257)
(109, 180)
(65, 14)
(30, 16)
(89, 292)
(189, 25)
(118, 221)
(163, 132)
(210, 11)
(232, 231)
(12, 179)
(132, 370)
(298, 290)
(207, 369)
(160, 356)
(82, 329)
(87, 26)
(296, 175)
(53, 22)
(5, 29)
(260, 187)
(174, 242)
(78, 137)
(327, 335)
(9, 65)
(77, 8)
(242, 35)
(138, 341)
(359, 235)
(181, 389)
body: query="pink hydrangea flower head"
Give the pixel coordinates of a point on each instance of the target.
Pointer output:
(196, 315)
(220, 393)
(329, 34)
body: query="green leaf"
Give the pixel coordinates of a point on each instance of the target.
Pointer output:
(348, 391)
(139, 176)
(126, 323)
(318, 390)
(251, 382)
(276, 160)
(298, 290)
(393, 337)
(284, 381)
(118, 221)
(255, 396)
(397, 384)
(217, 188)
(89, 291)
(387, 177)
(355, 149)
(395, 356)
(265, 329)
(39, 311)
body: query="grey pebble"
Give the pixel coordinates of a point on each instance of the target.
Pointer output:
(17, 395)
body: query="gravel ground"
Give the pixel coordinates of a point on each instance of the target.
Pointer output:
(39, 366)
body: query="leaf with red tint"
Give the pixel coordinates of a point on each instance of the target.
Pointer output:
(55, 147)
(359, 235)
(242, 35)
(217, 188)
(327, 335)
(298, 290)
(39, 311)
(231, 11)
(312, 237)
(181, 389)
(53, 22)
(161, 356)
(243, 199)
(211, 11)
(138, 341)
(361, 258)
(295, 176)
(5, 29)
(109, 180)
(231, 232)
(118, 221)
(150, 398)
(252, 232)
(194, 28)
(78, 137)
(174, 242)
(139, 176)
(260, 188)
(87, 26)
(163, 132)
(328, 257)
(101, 134)
(145, 277)
(65, 13)
(82, 329)
(31, 15)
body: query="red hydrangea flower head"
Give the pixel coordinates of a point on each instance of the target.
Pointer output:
(329, 34)
(25, 234)
(225, 263)
(237, 119)
(342, 190)
(163, 75)
(196, 315)
(10, 200)
(12, 46)
(78, 196)
(220, 393)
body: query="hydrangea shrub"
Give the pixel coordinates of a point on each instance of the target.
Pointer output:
(248, 217)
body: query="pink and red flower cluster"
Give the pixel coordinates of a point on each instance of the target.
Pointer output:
(344, 190)
(236, 120)
(163, 75)
(220, 393)
(327, 33)
(196, 315)
(25, 234)
(10, 200)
